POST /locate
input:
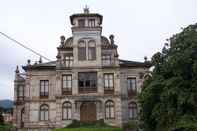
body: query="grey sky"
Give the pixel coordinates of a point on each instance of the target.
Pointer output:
(140, 28)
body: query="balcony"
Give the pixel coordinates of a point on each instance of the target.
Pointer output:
(87, 89)
(66, 91)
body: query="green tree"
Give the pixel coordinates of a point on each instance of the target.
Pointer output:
(169, 96)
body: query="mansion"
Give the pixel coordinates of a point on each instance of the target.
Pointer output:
(87, 82)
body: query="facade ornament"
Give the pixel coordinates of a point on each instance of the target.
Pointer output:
(111, 37)
(28, 62)
(62, 39)
(145, 58)
(86, 10)
(40, 60)
(17, 70)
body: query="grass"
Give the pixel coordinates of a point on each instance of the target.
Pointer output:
(90, 129)
(96, 126)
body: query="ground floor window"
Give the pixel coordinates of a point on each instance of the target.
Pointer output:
(66, 111)
(132, 110)
(109, 110)
(44, 112)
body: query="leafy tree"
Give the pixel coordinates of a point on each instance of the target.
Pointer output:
(169, 96)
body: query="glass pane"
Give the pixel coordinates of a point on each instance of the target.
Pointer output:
(112, 112)
(46, 115)
(69, 113)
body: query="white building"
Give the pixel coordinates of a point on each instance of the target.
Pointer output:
(87, 82)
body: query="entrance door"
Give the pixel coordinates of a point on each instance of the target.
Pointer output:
(88, 112)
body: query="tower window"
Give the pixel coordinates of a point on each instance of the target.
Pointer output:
(68, 60)
(82, 51)
(91, 22)
(81, 23)
(106, 59)
(91, 50)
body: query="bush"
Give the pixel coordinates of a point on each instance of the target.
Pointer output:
(132, 125)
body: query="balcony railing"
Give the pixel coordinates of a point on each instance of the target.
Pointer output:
(108, 90)
(87, 89)
(66, 91)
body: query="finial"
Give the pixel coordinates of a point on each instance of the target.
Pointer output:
(62, 39)
(40, 60)
(17, 69)
(86, 10)
(111, 37)
(145, 58)
(28, 62)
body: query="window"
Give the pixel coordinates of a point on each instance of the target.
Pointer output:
(131, 84)
(109, 81)
(68, 60)
(106, 59)
(22, 117)
(67, 82)
(87, 81)
(91, 22)
(66, 110)
(91, 50)
(82, 51)
(20, 92)
(44, 112)
(132, 110)
(81, 23)
(44, 88)
(109, 110)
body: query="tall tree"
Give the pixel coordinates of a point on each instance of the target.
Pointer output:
(169, 97)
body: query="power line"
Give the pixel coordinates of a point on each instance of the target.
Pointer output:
(12, 39)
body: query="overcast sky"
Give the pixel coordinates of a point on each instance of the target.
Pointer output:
(140, 28)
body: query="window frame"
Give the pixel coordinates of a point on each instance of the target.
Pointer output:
(84, 78)
(81, 22)
(91, 50)
(91, 22)
(45, 93)
(133, 109)
(44, 111)
(130, 84)
(105, 60)
(68, 60)
(109, 106)
(68, 109)
(67, 90)
(108, 81)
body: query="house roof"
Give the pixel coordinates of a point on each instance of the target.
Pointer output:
(123, 64)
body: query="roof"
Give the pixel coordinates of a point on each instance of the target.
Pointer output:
(47, 65)
(127, 63)
(86, 15)
(123, 63)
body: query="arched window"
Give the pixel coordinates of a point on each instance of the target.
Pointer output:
(82, 50)
(91, 50)
(66, 111)
(44, 112)
(132, 110)
(109, 110)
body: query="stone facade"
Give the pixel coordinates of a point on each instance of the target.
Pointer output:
(51, 95)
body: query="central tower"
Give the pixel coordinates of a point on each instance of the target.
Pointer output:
(86, 31)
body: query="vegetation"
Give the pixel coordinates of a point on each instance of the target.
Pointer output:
(169, 96)
(6, 127)
(95, 126)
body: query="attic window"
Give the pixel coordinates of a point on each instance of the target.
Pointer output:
(81, 23)
(91, 22)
